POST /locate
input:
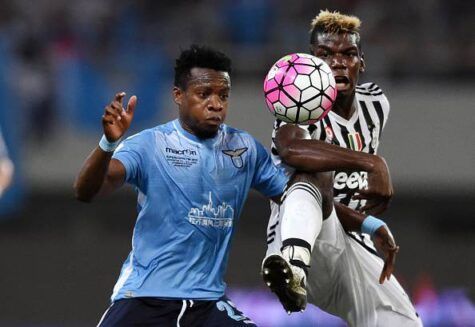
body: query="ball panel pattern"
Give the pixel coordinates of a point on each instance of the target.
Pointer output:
(299, 88)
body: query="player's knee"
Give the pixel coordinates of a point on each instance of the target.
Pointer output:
(323, 182)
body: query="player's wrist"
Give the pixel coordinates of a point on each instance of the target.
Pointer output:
(108, 146)
(371, 224)
(374, 163)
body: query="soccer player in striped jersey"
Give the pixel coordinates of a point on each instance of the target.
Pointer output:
(342, 269)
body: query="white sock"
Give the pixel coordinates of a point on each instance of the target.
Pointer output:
(301, 219)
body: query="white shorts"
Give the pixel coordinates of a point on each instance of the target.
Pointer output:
(343, 278)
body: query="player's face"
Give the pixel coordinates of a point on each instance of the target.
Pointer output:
(204, 103)
(340, 51)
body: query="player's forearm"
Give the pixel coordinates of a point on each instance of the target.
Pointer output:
(92, 175)
(318, 156)
(351, 220)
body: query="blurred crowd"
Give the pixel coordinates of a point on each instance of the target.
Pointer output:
(65, 56)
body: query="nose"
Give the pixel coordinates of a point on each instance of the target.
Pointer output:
(215, 103)
(338, 62)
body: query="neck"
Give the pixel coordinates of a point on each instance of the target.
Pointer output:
(196, 131)
(345, 106)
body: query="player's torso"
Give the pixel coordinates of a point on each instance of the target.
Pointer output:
(361, 132)
(204, 182)
(190, 197)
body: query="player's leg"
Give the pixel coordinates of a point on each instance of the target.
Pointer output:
(344, 281)
(393, 306)
(307, 201)
(389, 318)
(274, 240)
(141, 312)
(222, 313)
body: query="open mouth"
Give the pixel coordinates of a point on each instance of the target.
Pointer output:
(342, 82)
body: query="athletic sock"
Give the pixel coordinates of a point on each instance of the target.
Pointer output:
(301, 222)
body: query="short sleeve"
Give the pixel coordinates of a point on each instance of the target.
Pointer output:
(132, 155)
(268, 178)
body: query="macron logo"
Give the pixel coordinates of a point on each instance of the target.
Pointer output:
(181, 152)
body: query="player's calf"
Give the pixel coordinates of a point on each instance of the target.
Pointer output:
(301, 217)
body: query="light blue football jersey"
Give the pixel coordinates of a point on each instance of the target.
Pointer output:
(190, 196)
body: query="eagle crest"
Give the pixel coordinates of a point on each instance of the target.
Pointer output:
(235, 156)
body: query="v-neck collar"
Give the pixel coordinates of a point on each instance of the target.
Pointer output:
(344, 121)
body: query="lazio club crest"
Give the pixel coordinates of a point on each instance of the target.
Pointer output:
(235, 156)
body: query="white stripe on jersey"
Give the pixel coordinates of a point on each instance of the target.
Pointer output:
(123, 278)
(369, 121)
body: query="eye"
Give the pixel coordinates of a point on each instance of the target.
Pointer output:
(323, 54)
(202, 94)
(224, 96)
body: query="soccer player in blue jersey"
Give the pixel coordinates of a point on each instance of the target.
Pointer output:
(192, 176)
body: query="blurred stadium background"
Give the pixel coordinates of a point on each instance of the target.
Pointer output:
(62, 61)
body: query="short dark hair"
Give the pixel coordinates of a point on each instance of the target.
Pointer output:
(201, 57)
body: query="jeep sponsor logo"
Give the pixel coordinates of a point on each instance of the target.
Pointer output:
(355, 181)
(181, 152)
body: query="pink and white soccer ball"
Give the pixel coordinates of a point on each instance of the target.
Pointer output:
(300, 88)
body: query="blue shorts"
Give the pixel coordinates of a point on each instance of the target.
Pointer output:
(148, 311)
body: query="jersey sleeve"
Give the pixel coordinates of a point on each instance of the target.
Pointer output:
(386, 108)
(131, 153)
(268, 178)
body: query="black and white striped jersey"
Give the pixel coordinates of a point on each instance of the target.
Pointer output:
(361, 132)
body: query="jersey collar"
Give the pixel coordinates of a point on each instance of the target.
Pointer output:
(194, 138)
(342, 120)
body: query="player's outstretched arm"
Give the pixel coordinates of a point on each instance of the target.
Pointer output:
(296, 149)
(352, 220)
(100, 174)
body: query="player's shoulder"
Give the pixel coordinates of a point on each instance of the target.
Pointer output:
(236, 135)
(235, 132)
(372, 93)
(166, 128)
(149, 134)
(369, 89)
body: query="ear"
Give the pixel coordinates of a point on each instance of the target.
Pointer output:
(313, 49)
(362, 64)
(177, 95)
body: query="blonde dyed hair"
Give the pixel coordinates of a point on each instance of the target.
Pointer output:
(334, 22)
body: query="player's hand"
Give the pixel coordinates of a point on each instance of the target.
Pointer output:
(379, 191)
(385, 244)
(116, 120)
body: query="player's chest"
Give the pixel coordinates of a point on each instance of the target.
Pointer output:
(356, 137)
(193, 163)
